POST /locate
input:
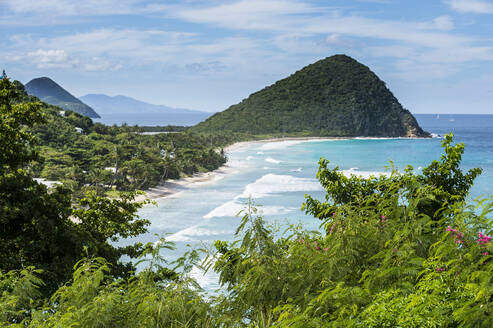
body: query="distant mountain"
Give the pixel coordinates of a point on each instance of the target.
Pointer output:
(122, 109)
(52, 93)
(336, 96)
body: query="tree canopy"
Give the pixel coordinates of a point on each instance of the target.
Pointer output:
(39, 226)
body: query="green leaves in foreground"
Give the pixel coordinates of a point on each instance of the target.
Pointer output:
(94, 299)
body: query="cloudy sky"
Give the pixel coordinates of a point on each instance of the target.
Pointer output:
(435, 55)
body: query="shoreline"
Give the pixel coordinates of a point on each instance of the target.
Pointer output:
(242, 144)
(174, 187)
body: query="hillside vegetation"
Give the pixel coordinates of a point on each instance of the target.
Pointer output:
(84, 155)
(336, 96)
(47, 90)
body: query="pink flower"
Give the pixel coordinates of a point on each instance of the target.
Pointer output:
(485, 253)
(458, 236)
(331, 229)
(383, 218)
(326, 249)
(450, 229)
(483, 239)
(440, 269)
(394, 250)
(316, 245)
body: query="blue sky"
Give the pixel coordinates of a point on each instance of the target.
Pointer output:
(436, 56)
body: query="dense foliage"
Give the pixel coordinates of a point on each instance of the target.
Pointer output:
(403, 250)
(41, 227)
(105, 157)
(50, 92)
(336, 96)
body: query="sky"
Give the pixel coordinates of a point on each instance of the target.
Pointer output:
(436, 56)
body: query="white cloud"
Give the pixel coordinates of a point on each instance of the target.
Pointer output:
(58, 58)
(290, 30)
(246, 14)
(110, 49)
(472, 6)
(376, 1)
(335, 40)
(49, 58)
(294, 26)
(71, 8)
(442, 23)
(283, 16)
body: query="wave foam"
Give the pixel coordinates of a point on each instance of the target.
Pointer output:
(232, 208)
(207, 280)
(195, 231)
(271, 160)
(275, 184)
(279, 144)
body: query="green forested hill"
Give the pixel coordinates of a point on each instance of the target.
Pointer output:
(84, 155)
(336, 96)
(50, 92)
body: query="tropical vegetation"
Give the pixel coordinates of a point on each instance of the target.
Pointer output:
(83, 155)
(405, 250)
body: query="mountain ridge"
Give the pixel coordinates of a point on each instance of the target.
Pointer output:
(123, 109)
(96, 100)
(335, 96)
(47, 90)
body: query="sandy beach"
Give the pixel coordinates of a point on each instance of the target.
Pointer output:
(173, 188)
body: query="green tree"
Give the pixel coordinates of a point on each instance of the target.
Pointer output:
(39, 227)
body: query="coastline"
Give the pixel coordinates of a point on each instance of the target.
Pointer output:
(174, 187)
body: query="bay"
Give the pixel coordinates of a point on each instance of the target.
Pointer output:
(277, 175)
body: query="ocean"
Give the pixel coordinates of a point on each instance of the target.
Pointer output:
(277, 175)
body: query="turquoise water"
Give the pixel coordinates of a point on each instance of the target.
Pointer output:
(277, 175)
